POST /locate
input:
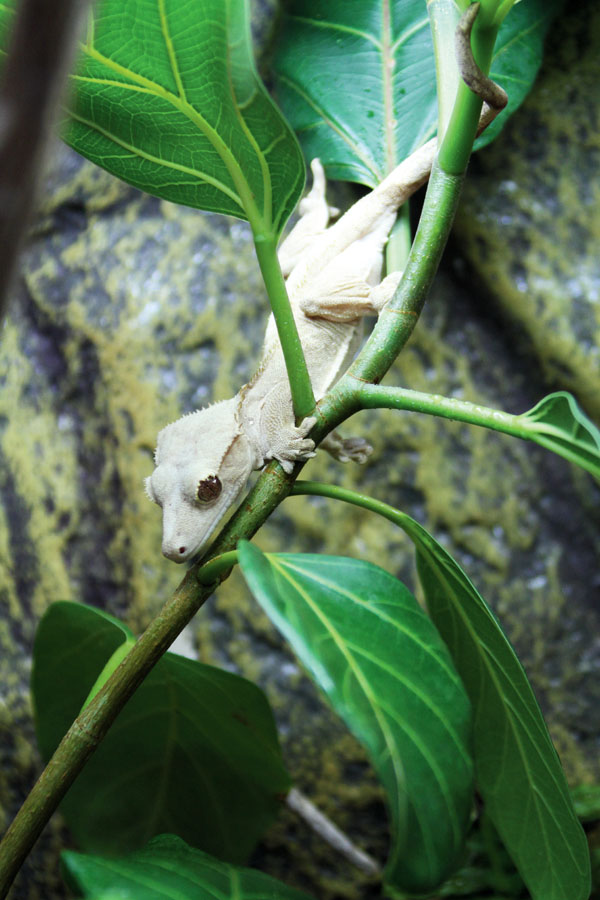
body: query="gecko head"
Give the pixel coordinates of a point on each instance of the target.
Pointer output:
(203, 462)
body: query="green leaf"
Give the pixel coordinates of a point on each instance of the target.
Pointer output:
(194, 751)
(516, 767)
(72, 645)
(357, 80)
(517, 770)
(357, 83)
(558, 423)
(370, 647)
(166, 97)
(167, 869)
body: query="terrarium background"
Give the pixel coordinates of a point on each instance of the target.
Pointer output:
(130, 311)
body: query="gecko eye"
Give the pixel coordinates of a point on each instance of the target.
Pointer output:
(209, 489)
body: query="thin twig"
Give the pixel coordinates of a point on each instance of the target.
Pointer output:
(330, 833)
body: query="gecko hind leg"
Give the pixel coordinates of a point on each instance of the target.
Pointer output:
(353, 449)
(383, 293)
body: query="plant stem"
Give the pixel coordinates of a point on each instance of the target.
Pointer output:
(374, 396)
(524, 426)
(398, 246)
(335, 492)
(93, 722)
(215, 569)
(399, 317)
(443, 19)
(303, 399)
(410, 526)
(457, 143)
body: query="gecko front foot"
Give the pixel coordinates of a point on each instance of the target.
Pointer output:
(294, 445)
(354, 449)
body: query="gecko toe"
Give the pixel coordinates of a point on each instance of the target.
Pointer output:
(306, 426)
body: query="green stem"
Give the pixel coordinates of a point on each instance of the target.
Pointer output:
(335, 492)
(91, 725)
(399, 317)
(457, 144)
(87, 731)
(551, 436)
(302, 393)
(214, 570)
(443, 19)
(372, 396)
(398, 246)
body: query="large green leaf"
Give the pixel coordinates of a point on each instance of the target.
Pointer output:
(67, 663)
(166, 97)
(357, 82)
(167, 869)
(558, 423)
(356, 78)
(370, 647)
(194, 751)
(517, 769)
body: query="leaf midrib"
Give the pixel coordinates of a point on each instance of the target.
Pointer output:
(409, 686)
(380, 614)
(266, 177)
(343, 132)
(377, 709)
(170, 49)
(414, 689)
(388, 62)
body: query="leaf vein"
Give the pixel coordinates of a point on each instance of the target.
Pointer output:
(337, 26)
(353, 143)
(179, 167)
(164, 27)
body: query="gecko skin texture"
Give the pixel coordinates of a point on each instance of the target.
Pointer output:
(333, 274)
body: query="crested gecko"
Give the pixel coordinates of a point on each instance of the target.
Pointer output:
(333, 278)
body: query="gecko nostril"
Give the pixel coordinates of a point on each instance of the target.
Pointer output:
(182, 550)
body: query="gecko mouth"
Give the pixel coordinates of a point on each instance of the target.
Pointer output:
(182, 554)
(181, 551)
(178, 555)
